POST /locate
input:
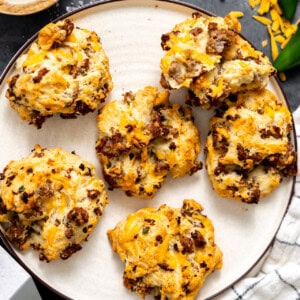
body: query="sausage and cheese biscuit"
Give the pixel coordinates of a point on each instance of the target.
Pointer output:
(51, 201)
(168, 252)
(209, 57)
(66, 71)
(143, 138)
(248, 148)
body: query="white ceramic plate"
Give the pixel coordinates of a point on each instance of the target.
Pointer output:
(25, 7)
(130, 32)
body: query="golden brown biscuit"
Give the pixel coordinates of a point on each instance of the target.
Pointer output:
(168, 252)
(66, 71)
(248, 148)
(143, 138)
(209, 57)
(51, 201)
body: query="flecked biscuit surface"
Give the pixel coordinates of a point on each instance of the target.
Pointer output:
(168, 252)
(248, 150)
(143, 138)
(209, 57)
(66, 71)
(51, 201)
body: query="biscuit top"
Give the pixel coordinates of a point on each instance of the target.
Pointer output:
(187, 43)
(46, 170)
(248, 149)
(50, 200)
(65, 71)
(143, 138)
(167, 251)
(208, 56)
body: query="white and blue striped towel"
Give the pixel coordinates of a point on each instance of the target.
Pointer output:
(279, 276)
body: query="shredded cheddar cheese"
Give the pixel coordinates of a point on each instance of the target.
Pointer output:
(263, 20)
(282, 76)
(264, 43)
(280, 30)
(53, 199)
(170, 253)
(65, 72)
(209, 57)
(141, 157)
(274, 47)
(255, 122)
(237, 14)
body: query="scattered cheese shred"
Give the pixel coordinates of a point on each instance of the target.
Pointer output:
(274, 47)
(263, 20)
(254, 3)
(279, 39)
(279, 29)
(264, 7)
(264, 43)
(282, 76)
(237, 14)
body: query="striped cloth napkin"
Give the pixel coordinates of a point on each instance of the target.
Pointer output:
(279, 276)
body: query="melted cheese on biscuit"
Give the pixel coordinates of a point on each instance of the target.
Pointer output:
(51, 201)
(248, 148)
(65, 71)
(168, 252)
(208, 56)
(143, 138)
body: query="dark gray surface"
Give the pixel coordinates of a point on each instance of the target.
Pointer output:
(16, 30)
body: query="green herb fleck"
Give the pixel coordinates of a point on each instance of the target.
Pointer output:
(21, 189)
(145, 230)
